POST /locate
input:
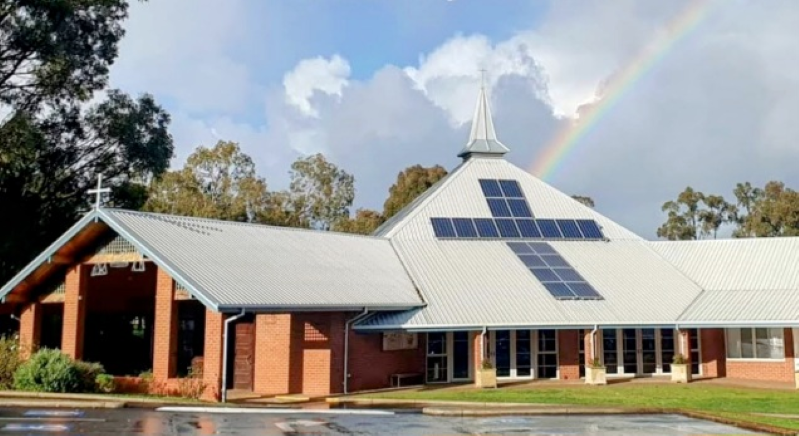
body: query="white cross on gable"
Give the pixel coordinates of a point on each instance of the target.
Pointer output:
(99, 191)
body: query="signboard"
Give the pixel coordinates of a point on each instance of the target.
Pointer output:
(400, 341)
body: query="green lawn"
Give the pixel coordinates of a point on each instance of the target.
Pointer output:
(727, 402)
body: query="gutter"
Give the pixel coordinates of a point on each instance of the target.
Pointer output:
(347, 325)
(224, 352)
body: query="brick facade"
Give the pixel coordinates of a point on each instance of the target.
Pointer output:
(212, 360)
(30, 328)
(777, 370)
(165, 338)
(74, 311)
(713, 353)
(568, 355)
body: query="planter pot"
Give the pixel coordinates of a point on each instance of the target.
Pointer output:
(796, 377)
(486, 378)
(680, 373)
(595, 376)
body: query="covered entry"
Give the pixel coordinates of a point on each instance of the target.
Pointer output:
(241, 354)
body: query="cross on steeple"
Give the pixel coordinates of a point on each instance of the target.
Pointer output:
(99, 191)
(483, 139)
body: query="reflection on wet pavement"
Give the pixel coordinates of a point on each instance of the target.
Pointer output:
(137, 422)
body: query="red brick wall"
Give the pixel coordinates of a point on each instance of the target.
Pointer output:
(74, 311)
(212, 360)
(713, 352)
(568, 355)
(779, 371)
(370, 367)
(165, 338)
(30, 329)
(272, 348)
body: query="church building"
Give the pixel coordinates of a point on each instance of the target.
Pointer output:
(490, 264)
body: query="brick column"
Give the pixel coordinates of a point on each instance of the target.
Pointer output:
(30, 329)
(74, 312)
(212, 360)
(165, 339)
(273, 354)
(569, 354)
(478, 347)
(589, 352)
(684, 340)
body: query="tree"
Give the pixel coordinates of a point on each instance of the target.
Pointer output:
(747, 198)
(773, 211)
(57, 51)
(219, 182)
(683, 216)
(411, 183)
(716, 213)
(364, 223)
(587, 201)
(49, 162)
(320, 192)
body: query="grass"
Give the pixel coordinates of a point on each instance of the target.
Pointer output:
(725, 402)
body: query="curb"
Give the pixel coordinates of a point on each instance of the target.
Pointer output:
(55, 403)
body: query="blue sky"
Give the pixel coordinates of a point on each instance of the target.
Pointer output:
(380, 85)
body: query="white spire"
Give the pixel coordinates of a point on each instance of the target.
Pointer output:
(483, 139)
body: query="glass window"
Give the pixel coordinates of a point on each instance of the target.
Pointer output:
(755, 343)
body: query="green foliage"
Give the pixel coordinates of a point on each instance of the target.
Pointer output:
(48, 371)
(9, 360)
(597, 363)
(191, 386)
(88, 373)
(364, 223)
(695, 215)
(52, 371)
(411, 183)
(486, 364)
(321, 192)
(587, 201)
(105, 383)
(679, 359)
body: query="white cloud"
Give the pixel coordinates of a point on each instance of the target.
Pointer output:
(315, 75)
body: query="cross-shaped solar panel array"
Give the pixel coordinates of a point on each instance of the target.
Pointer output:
(513, 219)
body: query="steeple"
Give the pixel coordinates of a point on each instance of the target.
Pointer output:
(483, 139)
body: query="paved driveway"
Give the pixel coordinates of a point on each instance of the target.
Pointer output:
(145, 422)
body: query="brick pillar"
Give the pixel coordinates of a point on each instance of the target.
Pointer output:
(478, 347)
(74, 312)
(212, 360)
(589, 352)
(685, 345)
(568, 355)
(165, 339)
(273, 354)
(713, 353)
(30, 329)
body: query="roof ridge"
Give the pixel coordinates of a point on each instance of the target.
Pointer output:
(393, 224)
(243, 224)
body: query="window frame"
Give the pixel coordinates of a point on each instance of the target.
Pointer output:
(753, 344)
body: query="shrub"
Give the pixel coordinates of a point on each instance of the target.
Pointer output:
(679, 359)
(192, 385)
(87, 373)
(105, 383)
(486, 364)
(48, 371)
(9, 360)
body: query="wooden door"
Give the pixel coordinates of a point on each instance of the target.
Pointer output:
(243, 355)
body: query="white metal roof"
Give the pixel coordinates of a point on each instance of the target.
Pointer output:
(459, 195)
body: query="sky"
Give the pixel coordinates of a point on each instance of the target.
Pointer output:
(379, 85)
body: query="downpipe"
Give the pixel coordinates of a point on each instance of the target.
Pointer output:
(347, 324)
(224, 352)
(483, 355)
(593, 344)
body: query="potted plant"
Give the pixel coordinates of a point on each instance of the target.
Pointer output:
(596, 373)
(486, 375)
(680, 369)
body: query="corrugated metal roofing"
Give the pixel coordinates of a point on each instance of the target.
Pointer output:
(237, 264)
(741, 307)
(736, 264)
(483, 283)
(460, 195)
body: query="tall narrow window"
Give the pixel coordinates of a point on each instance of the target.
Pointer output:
(547, 354)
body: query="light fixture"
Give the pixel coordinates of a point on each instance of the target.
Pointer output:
(99, 269)
(138, 266)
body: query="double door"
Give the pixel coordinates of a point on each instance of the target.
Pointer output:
(643, 352)
(520, 354)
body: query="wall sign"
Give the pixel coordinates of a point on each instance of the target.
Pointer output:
(400, 341)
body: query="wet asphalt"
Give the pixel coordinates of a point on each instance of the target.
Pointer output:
(120, 422)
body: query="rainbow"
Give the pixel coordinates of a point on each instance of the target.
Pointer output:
(552, 157)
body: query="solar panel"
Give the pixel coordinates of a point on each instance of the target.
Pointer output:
(559, 290)
(549, 229)
(542, 248)
(486, 228)
(569, 275)
(527, 228)
(552, 270)
(545, 275)
(554, 261)
(464, 227)
(511, 188)
(584, 290)
(520, 248)
(507, 228)
(490, 188)
(520, 209)
(569, 229)
(499, 208)
(443, 228)
(590, 229)
(532, 261)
